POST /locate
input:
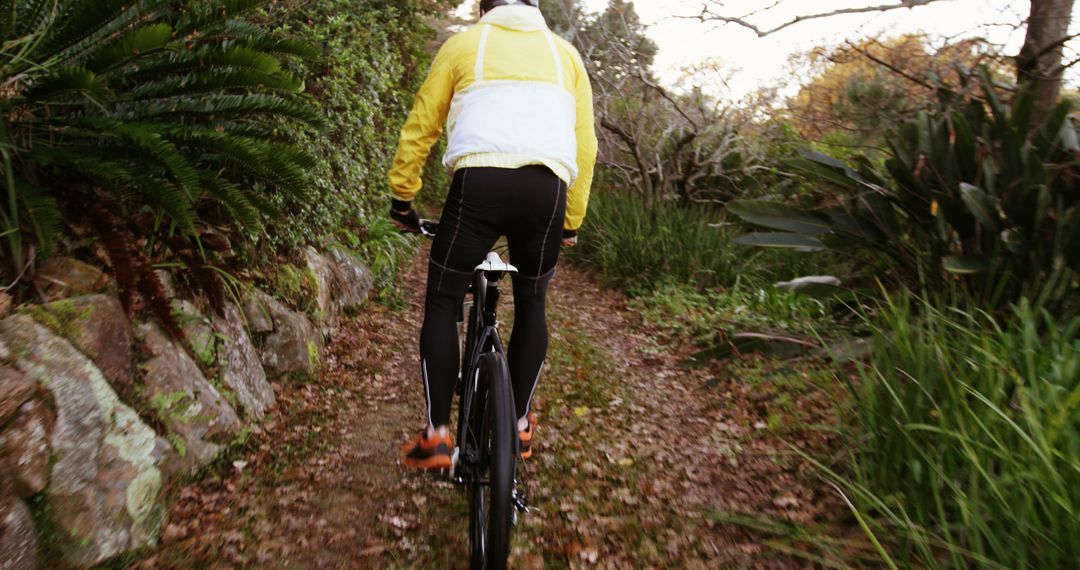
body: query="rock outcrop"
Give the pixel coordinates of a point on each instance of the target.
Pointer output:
(324, 274)
(104, 494)
(198, 418)
(62, 277)
(354, 280)
(257, 312)
(290, 345)
(18, 542)
(99, 328)
(24, 447)
(74, 408)
(343, 283)
(241, 370)
(198, 330)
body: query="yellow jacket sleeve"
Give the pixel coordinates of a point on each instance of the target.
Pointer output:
(577, 198)
(423, 127)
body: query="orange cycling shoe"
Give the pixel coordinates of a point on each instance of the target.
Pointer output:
(423, 452)
(526, 436)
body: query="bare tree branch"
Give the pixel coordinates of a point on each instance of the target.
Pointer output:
(708, 15)
(889, 66)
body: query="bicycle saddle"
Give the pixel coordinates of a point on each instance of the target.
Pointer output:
(495, 263)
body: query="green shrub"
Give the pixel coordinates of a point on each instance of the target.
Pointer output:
(968, 447)
(641, 248)
(375, 55)
(385, 249)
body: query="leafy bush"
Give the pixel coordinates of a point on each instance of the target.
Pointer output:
(968, 452)
(385, 249)
(143, 118)
(642, 247)
(375, 55)
(979, 196)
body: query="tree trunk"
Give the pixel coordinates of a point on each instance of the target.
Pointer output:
(1040, 58)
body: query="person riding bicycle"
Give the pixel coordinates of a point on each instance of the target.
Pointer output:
(518, 109)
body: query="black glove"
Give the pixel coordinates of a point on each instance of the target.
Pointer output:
(404, 216)
(569, 237)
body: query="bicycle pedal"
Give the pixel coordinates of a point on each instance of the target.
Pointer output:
(453, 463)
(521, 502)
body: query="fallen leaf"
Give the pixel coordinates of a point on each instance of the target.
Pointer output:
(786, 502)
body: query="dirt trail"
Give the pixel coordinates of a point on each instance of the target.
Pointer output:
(634, 453)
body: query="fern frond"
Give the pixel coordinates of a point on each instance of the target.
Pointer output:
(86, 25)
(277, 164)
(239, 32)
(216, 81)
(136, 43)
(117, 176)
(225, 107)
(26, 17)
(145, 137)
(235, 200)
(67, 81)
(42, 215)
(216, 12)
(190, 61)
(283, 47)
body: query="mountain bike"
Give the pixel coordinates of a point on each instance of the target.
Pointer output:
(485, 460)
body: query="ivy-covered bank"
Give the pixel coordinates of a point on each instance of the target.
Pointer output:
(136, 349)
(375, 55)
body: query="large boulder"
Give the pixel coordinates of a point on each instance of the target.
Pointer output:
(198, 329)
(354, 280)
(293, 346)
(24, 447)
(15, 387)
(99, 328)
(241, 369)
(105, 483)
(62, 277)
(323, 271)
(257, 312)
(342, 281)
(18, 542)
(197, 417)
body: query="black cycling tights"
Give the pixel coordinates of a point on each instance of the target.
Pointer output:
(527, 205)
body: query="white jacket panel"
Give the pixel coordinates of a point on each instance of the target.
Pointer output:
(514, 117)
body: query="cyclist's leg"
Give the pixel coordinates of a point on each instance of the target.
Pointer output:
(466, 233)
(534, 235)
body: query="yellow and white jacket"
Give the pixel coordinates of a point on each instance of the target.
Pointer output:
(511, 94)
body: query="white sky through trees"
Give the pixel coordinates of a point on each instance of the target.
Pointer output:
(749, 62)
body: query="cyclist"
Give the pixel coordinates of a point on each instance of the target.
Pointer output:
(518, 108)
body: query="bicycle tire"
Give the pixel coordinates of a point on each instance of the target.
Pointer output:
(491, 505)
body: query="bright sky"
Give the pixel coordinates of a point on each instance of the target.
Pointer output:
(753, 62)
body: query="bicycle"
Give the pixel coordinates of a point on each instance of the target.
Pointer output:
(485, 459)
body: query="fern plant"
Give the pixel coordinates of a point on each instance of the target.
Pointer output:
(167, 108)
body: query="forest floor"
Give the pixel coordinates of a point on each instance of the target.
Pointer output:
(636, 456)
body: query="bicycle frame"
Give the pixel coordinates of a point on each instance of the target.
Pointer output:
(482, 336)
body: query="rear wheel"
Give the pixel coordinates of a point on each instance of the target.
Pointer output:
(491, 505)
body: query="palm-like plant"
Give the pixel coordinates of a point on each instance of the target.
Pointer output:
(159, 109)
(981, 195)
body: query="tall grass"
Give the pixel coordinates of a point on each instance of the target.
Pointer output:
(638, 247)
(970, 439)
